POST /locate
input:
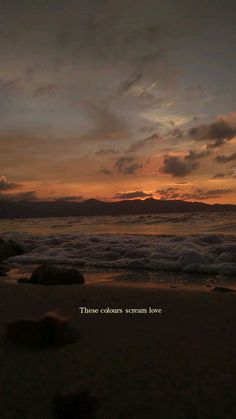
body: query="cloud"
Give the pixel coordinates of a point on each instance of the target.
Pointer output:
(7, 186)
(226, 159)
(73, 49)
(9, 84)
(166, 119)
(133, 168)
(218, 176)
(148, 128)
(108, 125)
(138, 145)
(178, 166)
(106, 152)
(127, 165)
(69, 198)
(200, 194)
(23, 196)
(132, 195)
(195, 155)
(176, 134)
(197, 194)
(168, 193)
(105, 172)
(217, 133)
(182, 166)
(122, 162)
(130, 83)
(47, 90)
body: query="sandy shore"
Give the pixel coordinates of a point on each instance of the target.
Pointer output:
(176, 365)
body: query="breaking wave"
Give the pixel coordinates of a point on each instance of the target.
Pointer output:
(204, 254)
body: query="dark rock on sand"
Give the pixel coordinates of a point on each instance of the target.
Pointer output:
(3, 270)
(9, 248)
(223, 289)
(56, 275)
(52, 330)
(23, 280)
(79, 405)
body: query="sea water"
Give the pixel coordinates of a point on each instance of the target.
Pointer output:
(161, 247)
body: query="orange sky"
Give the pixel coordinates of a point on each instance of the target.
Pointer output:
(141, 107)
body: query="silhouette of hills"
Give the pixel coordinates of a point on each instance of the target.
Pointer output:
(60, 208)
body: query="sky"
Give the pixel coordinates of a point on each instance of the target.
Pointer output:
(114, 99)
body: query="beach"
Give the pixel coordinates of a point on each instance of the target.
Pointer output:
(178, 363)
(117, 209)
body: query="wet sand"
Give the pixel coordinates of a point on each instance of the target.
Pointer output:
(179, 364)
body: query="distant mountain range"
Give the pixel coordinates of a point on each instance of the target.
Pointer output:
(60, 208)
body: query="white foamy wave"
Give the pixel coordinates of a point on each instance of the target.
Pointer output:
(208, 254)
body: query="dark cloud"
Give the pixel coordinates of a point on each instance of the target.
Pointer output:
(106, 152)
(226, 159)
(127, 166)
(77, 27)
(133, 168)
(218, 133)
(122, 162)
(198, 194)
(178, 166)
(108, 126)
(107, 60)
(143, 143)
(195, 155)
(6, 85)
(47, 90)
(218, 176)
(182, 166)
(70, 198)
(168, 193)
(135, 36)
(23, 196)
(148, 129)
(176, 134)
(131, 82)
(106, 172)
(215, 144)
(7, 186)
(132, 195)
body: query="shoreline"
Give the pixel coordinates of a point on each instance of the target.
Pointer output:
(139, 279)
(169, 365)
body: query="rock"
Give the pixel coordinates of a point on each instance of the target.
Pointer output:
(56, 275)
(9, 248)
(223, 289)
(80, 405)
(23, 280)
(52, 330)
(3, 270)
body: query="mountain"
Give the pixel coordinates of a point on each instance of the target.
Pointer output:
(37, 209)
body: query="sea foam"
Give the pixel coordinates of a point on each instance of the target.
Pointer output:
(203, 254)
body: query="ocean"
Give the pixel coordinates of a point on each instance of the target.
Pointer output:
(159, 248)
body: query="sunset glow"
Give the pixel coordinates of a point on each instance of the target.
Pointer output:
(143, 107)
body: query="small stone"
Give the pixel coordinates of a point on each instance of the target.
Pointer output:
(80, 405)
(55, 275)
(52, 330)
(223, 289)
(3, 270)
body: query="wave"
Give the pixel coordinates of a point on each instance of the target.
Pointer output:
(203, 254)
